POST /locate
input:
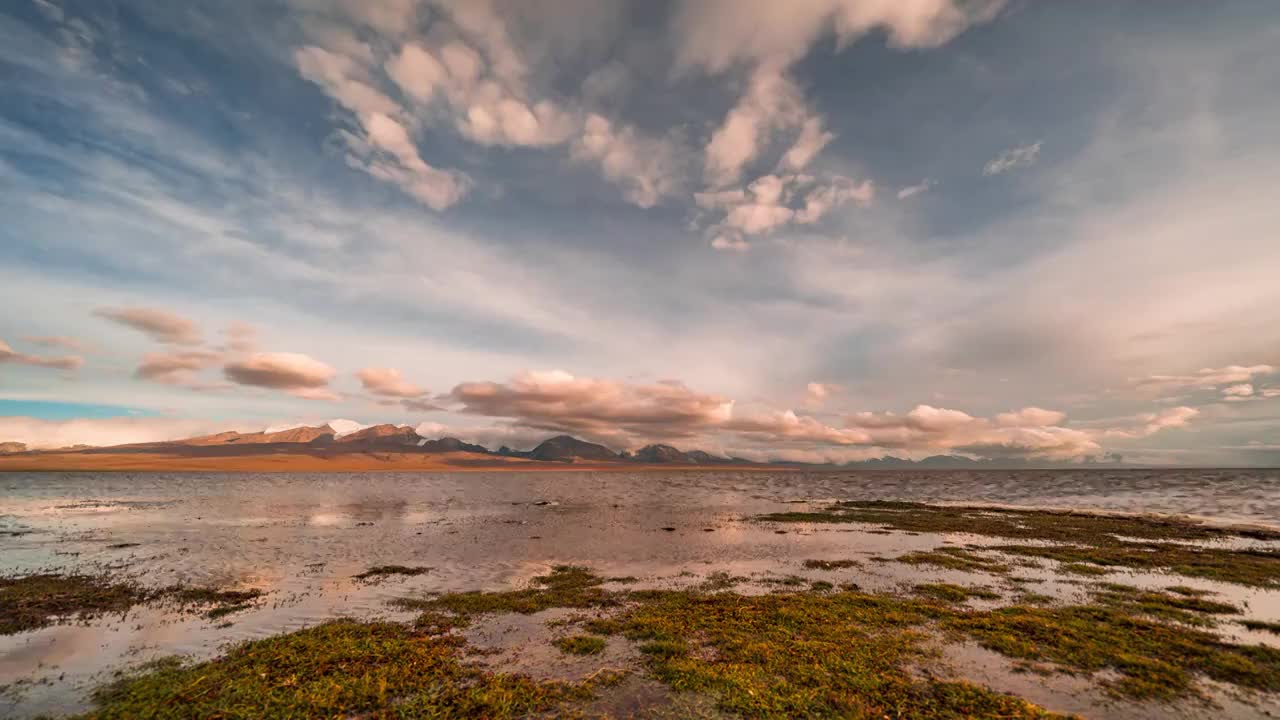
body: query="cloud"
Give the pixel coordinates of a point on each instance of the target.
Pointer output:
(1030, 417)
(241, 337)
(41, 434)
(840, 190)
(1148, 424)
(1204, 379)
(913, 190)
(388, 382)
(772, 202)
(772, 101)
(927, 430)
(715, 34)
(294, 373)
(378, 143)
(646, 169)
(1014, 158)
(176, 368)
(59, 341)
(63, 362)
(1240, 391)
(159, 325)
(807, 146)
(817, 394)
(556, 400)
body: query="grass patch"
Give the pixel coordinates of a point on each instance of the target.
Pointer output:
(1151, 659)
(1271, 627)
(804, 655)
(31, 602)
(581, 644)
(954, 558)
(1258, 568)
(339, 669)
(831, 564)
(953, 593)
(382, 571)
(1020, 524)
(1169, 606)
(564, 587)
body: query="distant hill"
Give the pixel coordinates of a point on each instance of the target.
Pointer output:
(292, 435)
(449, 444)
(660, 454)
(566, 448)
(380, 437)
(320, 447)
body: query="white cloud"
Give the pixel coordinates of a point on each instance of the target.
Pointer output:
(1240, 390)
(1148, 424)
(388, 382)
(159, 325)
(913, 190)
(1013, 158)
(297, 374)
(38, 433)
(644, 168)
(772, 101)
(1204, 379)
(810, 142)
(63, 362)
(715, 34)
(840, 190)
(380, 144)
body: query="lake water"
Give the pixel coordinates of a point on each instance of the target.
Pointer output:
(302, 537)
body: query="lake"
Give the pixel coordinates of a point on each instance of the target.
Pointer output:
(301, 538)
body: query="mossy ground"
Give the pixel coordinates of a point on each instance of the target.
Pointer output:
(954, 558)
(790, 653)
(30, 602)
(581, 644)
(1084, 544)
(339, 669)
(953, 593)
(378, 572)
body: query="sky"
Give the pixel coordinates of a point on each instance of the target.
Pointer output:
(826, 230)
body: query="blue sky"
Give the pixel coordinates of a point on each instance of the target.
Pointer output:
(833, 230)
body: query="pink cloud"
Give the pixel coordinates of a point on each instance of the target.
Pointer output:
(159, 325)
(388, 382)
(62, 362)
(294, 373)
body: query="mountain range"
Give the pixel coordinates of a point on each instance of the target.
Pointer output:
(378, 446)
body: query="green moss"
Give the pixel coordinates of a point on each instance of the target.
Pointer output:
(804, 655)
(821, 586)
(1011, 523)
(224, 610)
(1259, 568)
(717, 581)
(953, 593)
(339, 669)
(1191, 610)
(1270, 627)
(581, 644)
(382, 571)
(1151, 659)
(1076, 568)
(30, 602)
(563, 587)
(831, 564)
(954, 558)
